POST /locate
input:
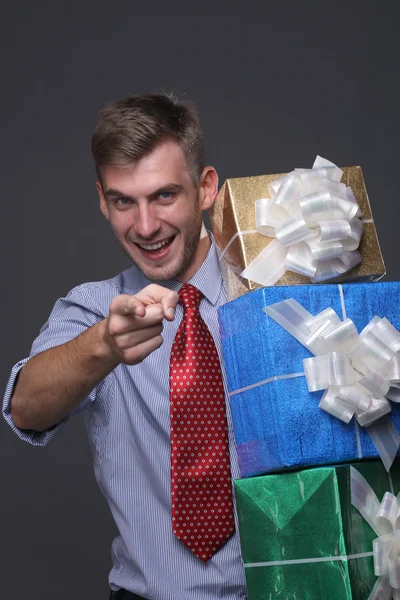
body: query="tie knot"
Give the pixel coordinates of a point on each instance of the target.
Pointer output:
(190, 296)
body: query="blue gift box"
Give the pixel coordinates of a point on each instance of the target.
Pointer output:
(278, 424)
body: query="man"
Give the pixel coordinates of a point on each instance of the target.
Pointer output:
(117, 348)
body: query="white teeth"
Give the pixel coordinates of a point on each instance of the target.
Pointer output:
(154, 246)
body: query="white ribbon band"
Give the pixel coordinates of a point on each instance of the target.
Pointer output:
(301, 561)
(342, 302)
(358, 439)
(233, 238)
(391, 483)
(264, 381)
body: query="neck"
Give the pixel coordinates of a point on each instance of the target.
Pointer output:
(201, 253)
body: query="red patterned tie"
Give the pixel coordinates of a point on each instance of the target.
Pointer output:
(202, 510)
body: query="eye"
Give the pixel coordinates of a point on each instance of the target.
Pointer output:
(166, 195)
(122, 201)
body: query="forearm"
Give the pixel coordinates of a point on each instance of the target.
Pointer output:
(53, 383)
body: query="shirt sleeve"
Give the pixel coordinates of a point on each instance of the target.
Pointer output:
(70, 316)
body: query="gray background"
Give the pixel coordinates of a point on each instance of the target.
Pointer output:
(273, 87)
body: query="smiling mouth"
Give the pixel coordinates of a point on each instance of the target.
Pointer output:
(154, 248)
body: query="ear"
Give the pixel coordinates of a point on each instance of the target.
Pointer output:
(208, 187)
(103, 203)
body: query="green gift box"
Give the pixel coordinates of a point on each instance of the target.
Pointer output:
(301, 536)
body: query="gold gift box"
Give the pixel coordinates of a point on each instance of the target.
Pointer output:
(234, 211)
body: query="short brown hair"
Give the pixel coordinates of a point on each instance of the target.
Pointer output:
(129, 129)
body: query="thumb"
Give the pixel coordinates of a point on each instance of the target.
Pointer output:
(169, 302)
(156, 294)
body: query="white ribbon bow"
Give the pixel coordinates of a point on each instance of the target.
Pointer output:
(358, 372)
(315, 220)
(384, 519)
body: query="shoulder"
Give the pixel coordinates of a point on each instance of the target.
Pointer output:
(128, 281)
(97, 295)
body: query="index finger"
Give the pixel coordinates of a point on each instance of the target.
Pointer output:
(126, 305)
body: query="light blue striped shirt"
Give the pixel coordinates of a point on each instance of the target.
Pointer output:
(127, 421)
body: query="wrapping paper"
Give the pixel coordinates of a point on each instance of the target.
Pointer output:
(234, 211)
(309, 515)
(278, 424)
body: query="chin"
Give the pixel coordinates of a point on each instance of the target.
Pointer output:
(154, 274)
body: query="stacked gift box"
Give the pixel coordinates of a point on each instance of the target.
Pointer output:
(312, 373)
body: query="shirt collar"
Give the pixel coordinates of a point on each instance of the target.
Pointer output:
(207, 279)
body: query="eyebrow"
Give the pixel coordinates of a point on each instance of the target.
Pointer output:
(169, 187)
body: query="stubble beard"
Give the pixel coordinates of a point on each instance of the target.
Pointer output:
(189, 252)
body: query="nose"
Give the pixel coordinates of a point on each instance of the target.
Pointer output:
(147, 223)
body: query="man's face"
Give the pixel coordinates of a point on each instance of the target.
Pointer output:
(155, 211)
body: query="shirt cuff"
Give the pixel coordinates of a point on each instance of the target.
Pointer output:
(36, 438)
